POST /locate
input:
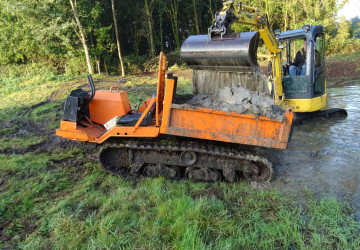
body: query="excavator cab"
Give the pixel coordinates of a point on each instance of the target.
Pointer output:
(305, 91)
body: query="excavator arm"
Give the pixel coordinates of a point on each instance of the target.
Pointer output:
(233, 12)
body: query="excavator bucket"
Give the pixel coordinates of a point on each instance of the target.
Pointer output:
(219, 62)
(235, 52)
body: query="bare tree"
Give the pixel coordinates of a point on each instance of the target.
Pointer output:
(148, 11)
(117, 38)
(196, 18)
(81, 35)
(173, 13)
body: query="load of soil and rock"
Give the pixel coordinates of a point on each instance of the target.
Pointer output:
(239, 100)
(251, 79)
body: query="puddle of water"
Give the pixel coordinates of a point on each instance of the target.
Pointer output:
(324, 154)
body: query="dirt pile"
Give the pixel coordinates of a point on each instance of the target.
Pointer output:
(240, 100)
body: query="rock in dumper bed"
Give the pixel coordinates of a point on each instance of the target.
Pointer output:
(239, 100)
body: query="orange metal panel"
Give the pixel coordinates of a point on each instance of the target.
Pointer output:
(160, 87)
(229, 127)
(69, 130)
(72, 135)
(107, 104)
(118, 131)
(66, 125)
(92, 130)
(144, 105)
(97, 133)
(169, 93)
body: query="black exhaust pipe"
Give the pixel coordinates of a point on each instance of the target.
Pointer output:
(92, 87)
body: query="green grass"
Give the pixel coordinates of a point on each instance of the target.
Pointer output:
(10, 130)
(51, 113)
(18, 94)
(79, 206)
(353, 57)
(20, 142)
(62, 199)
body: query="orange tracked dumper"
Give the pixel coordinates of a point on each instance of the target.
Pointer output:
(165, 139)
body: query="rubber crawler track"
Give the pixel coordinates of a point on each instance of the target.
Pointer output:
(161, 148)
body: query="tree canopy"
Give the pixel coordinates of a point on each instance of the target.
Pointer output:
(57, 32)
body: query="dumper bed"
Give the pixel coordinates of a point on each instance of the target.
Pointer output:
(231, 127)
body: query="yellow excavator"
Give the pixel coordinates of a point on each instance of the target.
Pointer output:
(224, 51)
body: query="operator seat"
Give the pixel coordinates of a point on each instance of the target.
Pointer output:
(131, 119)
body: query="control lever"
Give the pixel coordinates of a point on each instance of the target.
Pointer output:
(138, 106)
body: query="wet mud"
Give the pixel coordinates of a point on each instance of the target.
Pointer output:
(26, 127)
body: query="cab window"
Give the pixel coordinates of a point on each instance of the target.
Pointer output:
(319, 74)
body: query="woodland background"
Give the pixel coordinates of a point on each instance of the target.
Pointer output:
(52, 35)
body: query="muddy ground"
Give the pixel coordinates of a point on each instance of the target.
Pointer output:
(18, 223)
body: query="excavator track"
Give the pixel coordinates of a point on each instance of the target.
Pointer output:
(329, 113)
(194, 160)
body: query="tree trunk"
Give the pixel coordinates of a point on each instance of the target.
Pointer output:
(106, 68)
(134, 31)
(81, 35)
(210, 6)
(161, 33)
(285, 16)
(196, 18)
(210, 9)
(117, 38)
(148, 13)
(98, 66)
(173, 11)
